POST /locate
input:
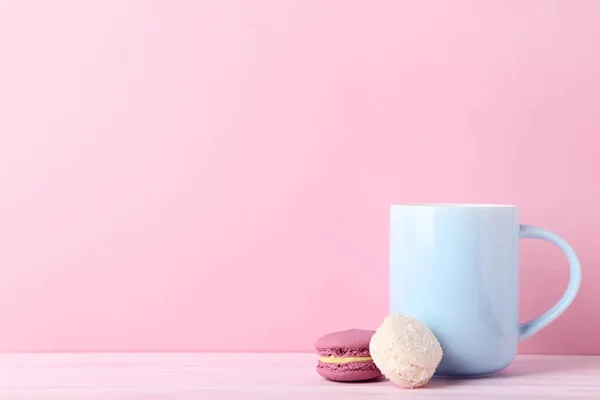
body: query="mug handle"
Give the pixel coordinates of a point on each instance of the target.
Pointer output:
(532, 327)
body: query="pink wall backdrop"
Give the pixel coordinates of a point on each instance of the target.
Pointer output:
(216, 175)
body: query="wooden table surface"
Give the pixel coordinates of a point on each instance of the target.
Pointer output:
(270, 376)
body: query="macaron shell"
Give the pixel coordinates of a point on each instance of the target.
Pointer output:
(350, 339)
(350, 372)
(405, 350)
(339, 352)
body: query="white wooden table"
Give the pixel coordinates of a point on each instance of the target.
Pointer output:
(269, 376)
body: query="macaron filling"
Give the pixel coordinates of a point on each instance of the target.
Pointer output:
(343, 360)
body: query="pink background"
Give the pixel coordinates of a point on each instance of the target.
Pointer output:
(216, 175)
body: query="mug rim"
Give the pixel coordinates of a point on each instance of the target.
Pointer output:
(454, 205)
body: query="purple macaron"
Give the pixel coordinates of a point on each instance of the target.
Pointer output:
(344, 356)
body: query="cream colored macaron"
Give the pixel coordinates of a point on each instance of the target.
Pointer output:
(405, 351)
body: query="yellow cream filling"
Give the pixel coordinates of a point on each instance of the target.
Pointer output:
(343, 360)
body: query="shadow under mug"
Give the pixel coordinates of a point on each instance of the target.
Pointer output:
(455, 267)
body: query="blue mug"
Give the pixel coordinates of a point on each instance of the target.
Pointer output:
(455, 267)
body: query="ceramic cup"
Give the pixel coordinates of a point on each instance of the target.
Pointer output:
(455, 267)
